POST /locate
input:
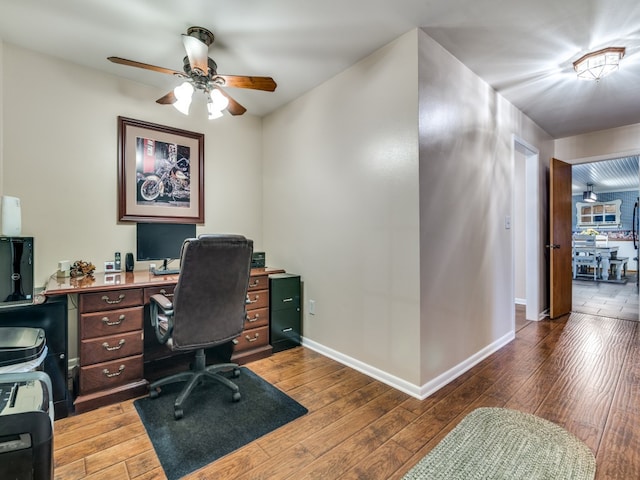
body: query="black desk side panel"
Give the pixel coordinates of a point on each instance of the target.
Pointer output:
(51, 316)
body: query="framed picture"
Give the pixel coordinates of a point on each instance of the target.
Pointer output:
(160, 173)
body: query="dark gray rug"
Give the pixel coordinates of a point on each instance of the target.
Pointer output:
(213, 425)
(502, 444)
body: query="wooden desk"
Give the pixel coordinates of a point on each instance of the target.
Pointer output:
(118, 351)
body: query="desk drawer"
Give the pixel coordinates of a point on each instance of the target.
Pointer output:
(103, 376)
(256, 337)
(256, 318)
(259, 282)
(166, 290)
(110, 322)
(104, 349)
(257, 299)
(109, 300)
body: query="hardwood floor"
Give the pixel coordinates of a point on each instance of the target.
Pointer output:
(581, 371)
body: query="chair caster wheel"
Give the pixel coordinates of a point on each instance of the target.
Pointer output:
(153, 393)
(236, 373)
(236, 396)
(178, 413)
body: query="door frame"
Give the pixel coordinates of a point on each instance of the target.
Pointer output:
(611, 156)
(533, 277)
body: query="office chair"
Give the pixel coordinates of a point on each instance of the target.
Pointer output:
(207, 309)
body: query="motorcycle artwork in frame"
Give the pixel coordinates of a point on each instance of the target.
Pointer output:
(160, 173)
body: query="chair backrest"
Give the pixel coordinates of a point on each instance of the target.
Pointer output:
(602, 240)
(584, 246)
(209, 301)
(584, 241)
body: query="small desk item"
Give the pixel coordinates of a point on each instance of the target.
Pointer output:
(118, 351)
(166, 271)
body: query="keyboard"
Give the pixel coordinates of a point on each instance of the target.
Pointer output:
(168, 271)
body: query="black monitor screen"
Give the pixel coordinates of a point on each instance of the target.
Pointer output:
(162, 241)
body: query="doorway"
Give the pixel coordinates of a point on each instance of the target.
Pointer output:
(527, 276)
(612, 181)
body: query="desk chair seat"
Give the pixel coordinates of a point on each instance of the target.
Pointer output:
(207, 310)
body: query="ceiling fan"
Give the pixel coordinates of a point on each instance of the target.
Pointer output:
(200, 74)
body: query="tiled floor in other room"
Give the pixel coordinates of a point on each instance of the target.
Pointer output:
(605, 299)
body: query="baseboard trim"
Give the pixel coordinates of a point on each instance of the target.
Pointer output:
(373, 372)
(520, 301)
(440, 381)
(399, 384)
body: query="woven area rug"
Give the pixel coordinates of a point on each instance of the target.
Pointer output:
(502, 444)
(213, 425)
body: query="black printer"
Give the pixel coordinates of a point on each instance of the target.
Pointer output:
(26, 406)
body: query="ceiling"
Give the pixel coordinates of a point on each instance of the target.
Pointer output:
(523, 48)
(616, 175)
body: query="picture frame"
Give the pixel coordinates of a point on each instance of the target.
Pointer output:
(160, 173)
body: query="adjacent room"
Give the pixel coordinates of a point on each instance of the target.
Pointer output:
(605, 209)
(275, 240)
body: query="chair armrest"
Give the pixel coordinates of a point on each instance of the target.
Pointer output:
(163, 302)
(161, 317)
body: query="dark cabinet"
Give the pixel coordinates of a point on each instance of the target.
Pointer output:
(51, 316)
(285, 306)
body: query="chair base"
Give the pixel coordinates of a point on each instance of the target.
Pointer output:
(194, 377)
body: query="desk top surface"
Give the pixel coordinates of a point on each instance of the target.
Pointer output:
(116, 281)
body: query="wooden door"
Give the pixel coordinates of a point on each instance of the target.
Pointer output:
(560, 206)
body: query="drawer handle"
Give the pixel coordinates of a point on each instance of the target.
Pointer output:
(117, 347)
(285, 300)
(254, 319)
(252, 301)
(106, 321)
(164, 292)
(111, 302)
(255, 283)
(249, 339)
(114, 374)
(285, 330)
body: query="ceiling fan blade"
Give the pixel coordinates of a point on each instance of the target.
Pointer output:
(168, 99)
(132, 63)
(234, 108)
(197, 52)
(241, 81)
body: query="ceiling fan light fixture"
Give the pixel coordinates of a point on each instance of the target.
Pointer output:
(183, 94)
(216, 103)
(599, 64)
(213, 113)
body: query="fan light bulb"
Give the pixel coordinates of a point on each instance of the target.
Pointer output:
(216, 103)
(183, 95)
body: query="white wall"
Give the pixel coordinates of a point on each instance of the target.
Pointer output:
(60, 157)
(611, 143)
(342, 205)
(466, 172)
(341, 208)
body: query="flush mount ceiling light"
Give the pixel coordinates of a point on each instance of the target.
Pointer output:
(596, 65)
(589, 195)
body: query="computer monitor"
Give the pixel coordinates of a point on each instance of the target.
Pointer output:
(162, 241)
